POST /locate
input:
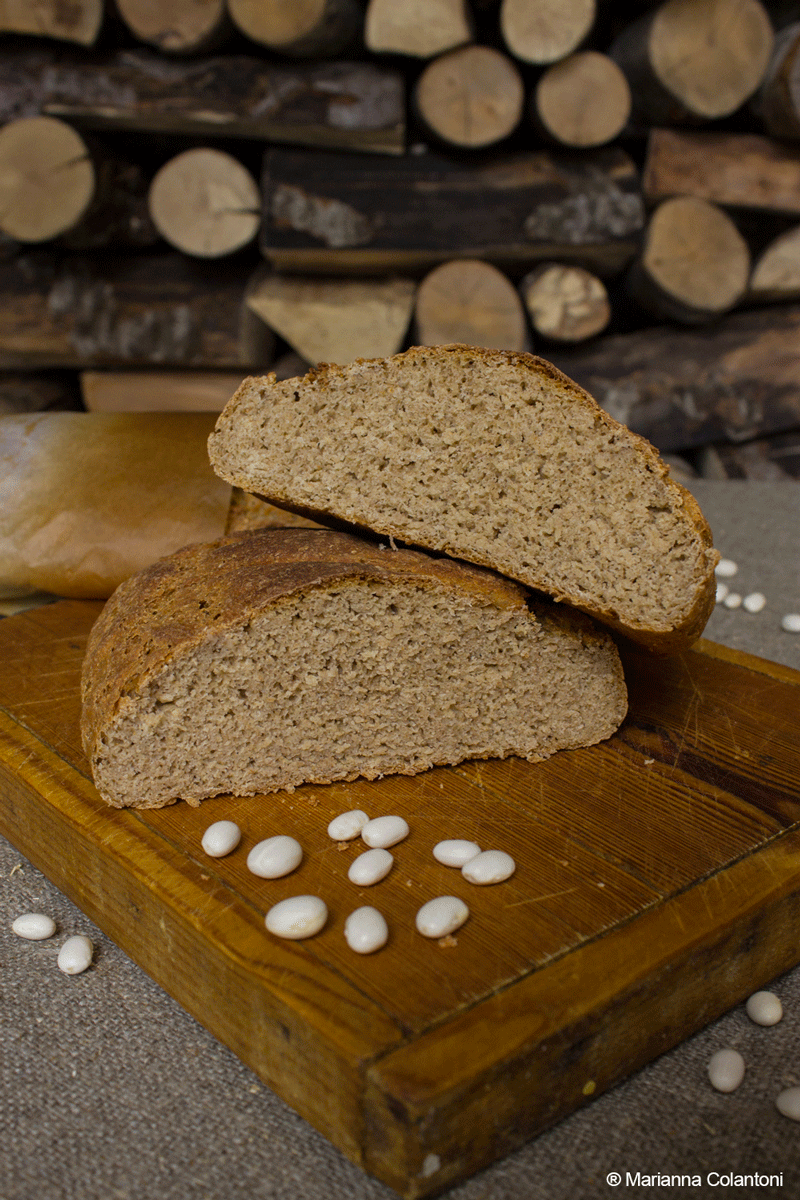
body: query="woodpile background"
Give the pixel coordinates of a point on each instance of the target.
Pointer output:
(194, 190)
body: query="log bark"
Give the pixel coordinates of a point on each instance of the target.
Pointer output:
(303, 28)
(470, 302)
(343, 105)
(419, 28)
(47, 179)
(582, 101)
(776, 272)
(694, 60)
(79, 21)
(471, 97)
(205, 203)
(335, 320)
(327, 213)
(135, 311)
(547, 31)
(158, 391)
(565, 303)
(694, 264)
(737, 170)
(778, 101)
(685, 388)
(177, 26)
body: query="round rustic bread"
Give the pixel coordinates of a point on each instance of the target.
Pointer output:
(491, 456)
(278, 657)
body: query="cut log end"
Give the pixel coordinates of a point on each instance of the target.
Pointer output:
(303, 27)
(471, 97)
(47, 179)
(205, 203)
(419, 28)
(584, 100)
(78, 21)
(471, 302)
(711, 56)
(565, 303)
(547, 31)
(776, 274)
(778, 102)
(335, 320)
(695, 259)
(174, 26)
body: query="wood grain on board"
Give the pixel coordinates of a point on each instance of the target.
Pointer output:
(656, 886)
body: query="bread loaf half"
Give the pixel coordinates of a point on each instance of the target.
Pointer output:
(490, 456)
(273, 658)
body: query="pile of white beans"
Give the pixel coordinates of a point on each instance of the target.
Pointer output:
(75, 955)
(726, 1068)
(752, 602)
(365, 929)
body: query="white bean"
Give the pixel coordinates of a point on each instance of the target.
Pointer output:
(34, 927)
(733, 600)
(754, 602)
(275, 857)
(441, 916)
(347, 825)
(764, 1008)
(722, 591)
(788, 1103)
(455, 852)
(384, 831)
(365, 930)
(370, 867)
(221, 838)
(726, 1070)
(726, 568)
(297, 917)
(791, 622)
(491, 866)
(75, 955)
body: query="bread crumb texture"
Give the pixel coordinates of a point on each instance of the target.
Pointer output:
(278, 657)
(490, 456)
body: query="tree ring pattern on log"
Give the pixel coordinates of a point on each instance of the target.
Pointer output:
(710, 56)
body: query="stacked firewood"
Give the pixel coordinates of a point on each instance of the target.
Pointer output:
(198, 189)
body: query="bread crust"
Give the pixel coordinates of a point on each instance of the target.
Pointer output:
(659, 640)
(165, 609)
(179, 603)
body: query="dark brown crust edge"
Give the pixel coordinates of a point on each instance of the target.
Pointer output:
(669, 642)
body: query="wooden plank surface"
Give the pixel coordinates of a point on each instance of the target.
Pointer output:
(656, 886)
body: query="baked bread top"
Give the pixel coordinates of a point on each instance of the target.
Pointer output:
(494, 457)
(276, 657)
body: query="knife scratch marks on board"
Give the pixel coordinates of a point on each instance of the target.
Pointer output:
(738, 750)
(691, 720)
(538, 899)
(477, 767)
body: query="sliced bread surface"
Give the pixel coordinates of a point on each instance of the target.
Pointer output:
(494, 457)
(273, 658)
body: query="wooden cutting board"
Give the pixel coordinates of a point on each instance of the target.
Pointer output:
(657, 885)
